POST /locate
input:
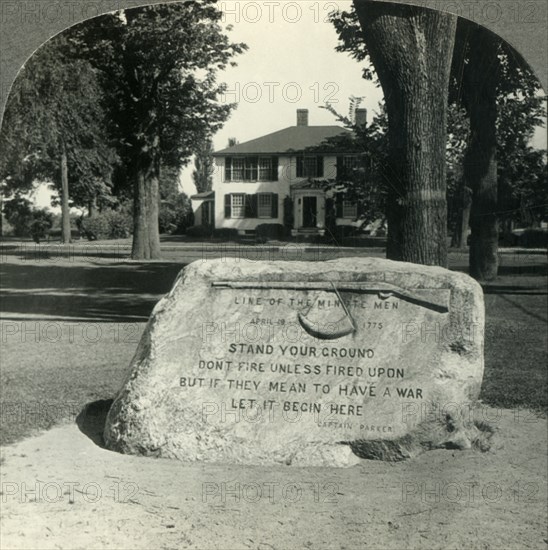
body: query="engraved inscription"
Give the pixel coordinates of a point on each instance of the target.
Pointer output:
(315, 352)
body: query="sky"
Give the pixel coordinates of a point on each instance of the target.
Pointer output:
(291, 64)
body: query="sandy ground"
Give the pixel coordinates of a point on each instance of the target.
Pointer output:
(62, 490)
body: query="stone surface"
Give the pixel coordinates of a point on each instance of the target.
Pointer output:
(304, 363)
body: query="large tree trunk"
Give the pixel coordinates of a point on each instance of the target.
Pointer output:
(146, 234)
(411, 49)
(65, 210)
(480, 163)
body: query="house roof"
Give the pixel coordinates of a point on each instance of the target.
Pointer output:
(292, 139)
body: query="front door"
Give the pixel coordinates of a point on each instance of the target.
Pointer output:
(309, 212)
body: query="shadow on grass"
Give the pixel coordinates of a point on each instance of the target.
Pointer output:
(514, 289)
(111, 292)
(58, 253)
(533, 269)
(92, 418)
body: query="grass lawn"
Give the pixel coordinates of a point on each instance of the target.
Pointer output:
(69, 327)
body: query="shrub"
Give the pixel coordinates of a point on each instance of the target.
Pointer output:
(344, 231)
(364, 241)
(199, 231)
(94, 228)
(506, 238)
(175, 215)
(267, 231)
(166, 220)
(7, 228)
(41, 223)
(288, 214)
(27, 220)
(226, 233)
(18, 212)
(533, 238)
(330, 220)
(109, 224)
(120, 224)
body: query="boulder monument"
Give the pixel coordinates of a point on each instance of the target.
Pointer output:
(306, 363)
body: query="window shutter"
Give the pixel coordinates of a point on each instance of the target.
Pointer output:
(319, 167)
(274, 205)
(252, 168)
(228, 169)
(247, 204)
(274, 176)
(300, 163)
(340, 168)
(339, 205)
(254, 206)
(228, 205)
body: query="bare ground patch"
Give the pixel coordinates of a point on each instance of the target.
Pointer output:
(62, 490)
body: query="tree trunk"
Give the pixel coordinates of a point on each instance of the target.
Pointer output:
(463, 222)
(146, 234)
(65, 210)
(92, 207)
(411, 49)
(480, 163)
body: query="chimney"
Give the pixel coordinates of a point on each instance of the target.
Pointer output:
(302, 117)
(361, 117)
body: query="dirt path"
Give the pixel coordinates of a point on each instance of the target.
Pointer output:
(442, 499)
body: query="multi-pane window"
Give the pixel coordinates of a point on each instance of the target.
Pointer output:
(310, 167)
(347, 166)
(250, 173)
(265, 168)
(265, 205)
(251, 168)
(350, 209)
(351, 162)
(251, 205)
(237, 173)
(238, 205)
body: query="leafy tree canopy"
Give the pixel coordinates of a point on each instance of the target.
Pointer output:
(56, 102)
(159, 66)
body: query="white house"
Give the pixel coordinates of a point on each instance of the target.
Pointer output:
(276, 178)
